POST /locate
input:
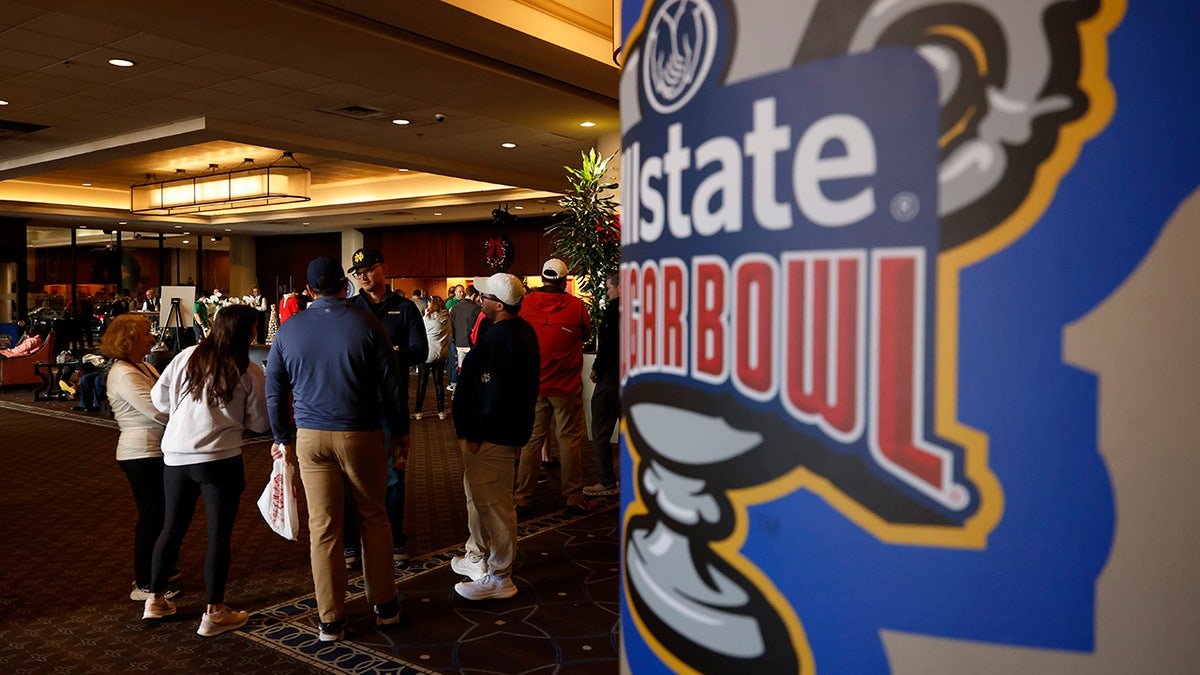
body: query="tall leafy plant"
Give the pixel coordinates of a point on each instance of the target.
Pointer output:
(587, 231)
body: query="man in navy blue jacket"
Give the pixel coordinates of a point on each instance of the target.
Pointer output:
(406, 329)
(493, 417)
(337, 364)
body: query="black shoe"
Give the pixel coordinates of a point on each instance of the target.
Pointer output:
(388, 614)
(332, 631)
(353, 560)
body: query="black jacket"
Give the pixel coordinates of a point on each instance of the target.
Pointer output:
(498, 386)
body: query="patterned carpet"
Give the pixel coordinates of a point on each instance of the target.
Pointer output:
(65, 571)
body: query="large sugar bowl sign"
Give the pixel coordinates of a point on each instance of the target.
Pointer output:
(831, 216)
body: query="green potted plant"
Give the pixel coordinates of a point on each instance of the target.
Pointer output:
(587, 232)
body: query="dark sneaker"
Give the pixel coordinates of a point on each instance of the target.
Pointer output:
(476, 569)
(601, 490)
(486, 588)
(353, 559)
(388, 614)
(332, 631)
(399, 555)
(222, 621)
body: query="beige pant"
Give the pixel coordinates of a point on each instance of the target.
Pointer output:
(491, 518)
(567, 413)
(331, 462)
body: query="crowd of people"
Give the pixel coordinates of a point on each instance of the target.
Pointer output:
(334, 397)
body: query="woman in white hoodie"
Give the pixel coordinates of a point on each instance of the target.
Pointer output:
(437, 329)
(212, 393)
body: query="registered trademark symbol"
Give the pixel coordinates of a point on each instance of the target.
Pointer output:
(905, 206)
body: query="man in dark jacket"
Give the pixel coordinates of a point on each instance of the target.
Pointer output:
(462, 320)
(493, 418)
(406, 330)
(606, 398)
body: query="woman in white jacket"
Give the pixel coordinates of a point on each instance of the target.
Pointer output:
(212, 393)
(437, 329)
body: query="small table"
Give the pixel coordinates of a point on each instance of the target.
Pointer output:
(50, 372)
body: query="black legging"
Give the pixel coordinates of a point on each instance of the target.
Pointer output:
(146, 479)
(423, 370)
(221, 483)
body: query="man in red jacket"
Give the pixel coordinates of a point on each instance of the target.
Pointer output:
(562, 325)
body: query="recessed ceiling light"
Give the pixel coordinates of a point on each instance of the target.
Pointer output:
(402, 169)
(186, 241)
(437, 213)
(305, 223)
(179, 227)
(122, 222)
(120, 63)
(401, 122)
(587, 124)
(508, 145)
(519, 208)
(86, 184)
(228, 229)
(3, 102)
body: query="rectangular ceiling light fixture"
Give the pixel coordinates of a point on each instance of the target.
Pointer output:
(284, 181)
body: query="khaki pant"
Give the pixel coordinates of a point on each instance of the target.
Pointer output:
(567, 414)
(491, 518)
(332, 462)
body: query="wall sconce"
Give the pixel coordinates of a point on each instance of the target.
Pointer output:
(284, 181)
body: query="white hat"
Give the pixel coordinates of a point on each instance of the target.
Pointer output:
(554, 270)
(506, 287)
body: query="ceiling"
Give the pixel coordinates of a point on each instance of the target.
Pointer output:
(220, 81)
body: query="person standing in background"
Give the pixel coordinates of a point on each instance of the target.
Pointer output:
(200, 322)
(259, 302)
(562, 324)
(462, 321)
(437, 330)
(606, 397)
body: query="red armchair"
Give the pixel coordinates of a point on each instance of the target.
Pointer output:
(19, 369)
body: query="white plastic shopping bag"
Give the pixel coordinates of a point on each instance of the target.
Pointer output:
(278, 501)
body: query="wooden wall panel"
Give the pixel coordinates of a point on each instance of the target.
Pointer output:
(278, 257)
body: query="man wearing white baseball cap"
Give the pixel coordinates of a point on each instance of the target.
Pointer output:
(493, 418)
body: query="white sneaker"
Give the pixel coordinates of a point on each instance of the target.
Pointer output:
(157, 609)
(417, 416)
(486, 587)
(441, 416)
(224, 620)
(469, 568)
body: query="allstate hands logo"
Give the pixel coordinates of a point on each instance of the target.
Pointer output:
(681, 42)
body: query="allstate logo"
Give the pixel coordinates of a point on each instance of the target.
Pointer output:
(680, 44)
